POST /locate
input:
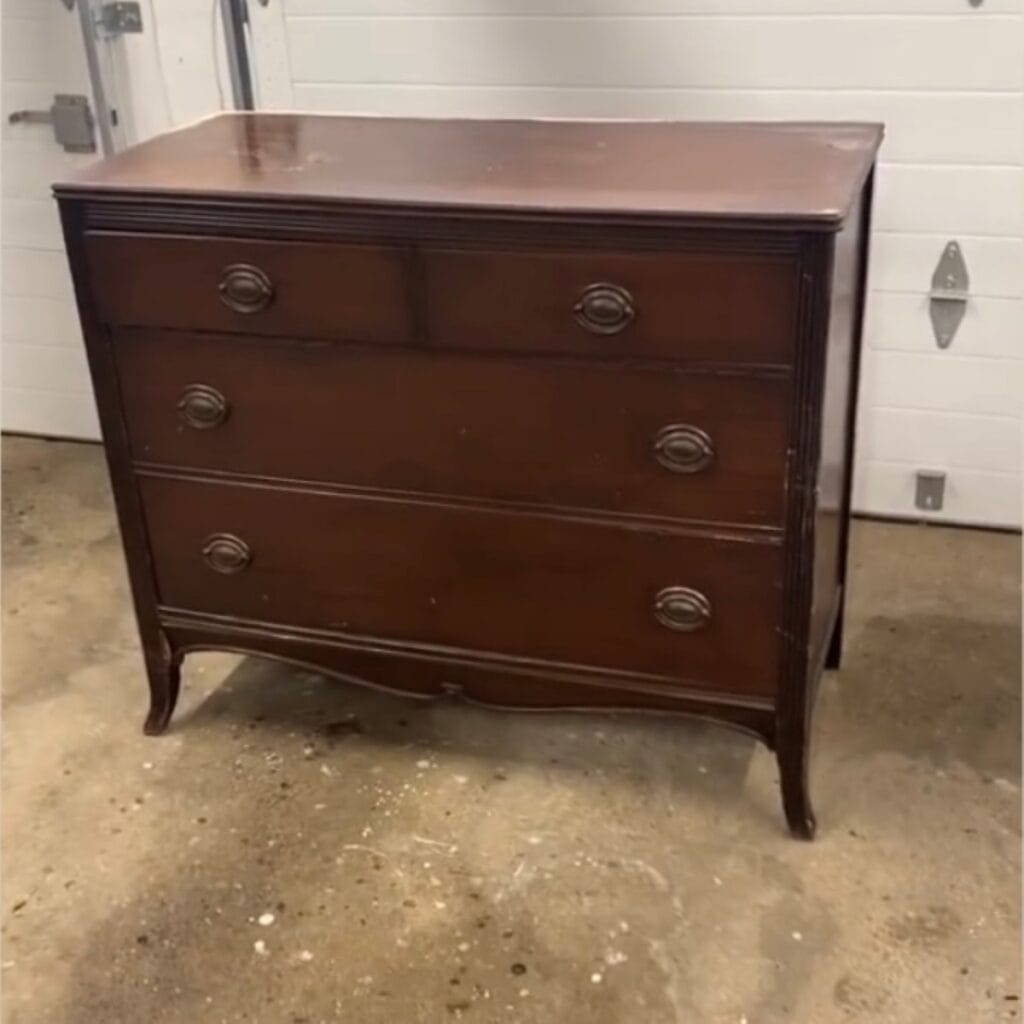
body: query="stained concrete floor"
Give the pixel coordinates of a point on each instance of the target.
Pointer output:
(445, 863)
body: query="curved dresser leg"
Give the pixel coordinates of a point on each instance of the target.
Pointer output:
(793, 755)
(164, 674)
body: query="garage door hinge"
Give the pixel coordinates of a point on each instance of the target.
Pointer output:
(121, 18)
(947, 300)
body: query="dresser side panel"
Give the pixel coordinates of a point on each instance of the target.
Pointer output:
(836, 441)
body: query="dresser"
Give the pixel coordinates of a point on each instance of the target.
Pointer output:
(537, 414)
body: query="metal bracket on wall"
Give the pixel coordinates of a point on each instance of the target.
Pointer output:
(121, 18)
(947, 300)
(71, 119)
(930, 491)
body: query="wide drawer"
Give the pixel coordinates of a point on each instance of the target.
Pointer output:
(560, 432)
(700, 610)
(700, 307)
(302, 289)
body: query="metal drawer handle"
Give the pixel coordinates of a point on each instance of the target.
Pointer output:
(225, 553)
(605, 309)
(683, 449)
(682, 609)
(245, 288)
(202, 407)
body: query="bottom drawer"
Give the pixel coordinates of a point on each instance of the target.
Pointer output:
(703, 611)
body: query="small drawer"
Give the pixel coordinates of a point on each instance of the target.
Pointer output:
(627, 439)
(300, 289)
(703, 611)
(690, 307)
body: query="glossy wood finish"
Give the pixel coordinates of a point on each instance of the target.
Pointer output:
(695, 307)
(695, 170)
(550, 588)
(540, 415)
(500, 429)
(342, 292)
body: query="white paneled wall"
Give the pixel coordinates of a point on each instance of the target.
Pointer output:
(946, 78)
(45, 383)
(162, 77)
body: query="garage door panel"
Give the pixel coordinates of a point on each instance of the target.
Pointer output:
(949, 52)
(971, 200)
(25, 39)
(55, 367)
(900, 320)
(29, 321)
(36, 274)
(942, 382)
(905, 262)
(31, 224)
(922, 438)
(50, 412)
(971, 496)
(31, 165)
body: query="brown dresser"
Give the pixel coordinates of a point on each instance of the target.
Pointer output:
(542, 414)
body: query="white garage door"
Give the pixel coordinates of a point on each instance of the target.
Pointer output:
(947, 78)
(163, 76)
(45, 381)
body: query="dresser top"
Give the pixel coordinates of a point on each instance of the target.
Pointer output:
(701, 170)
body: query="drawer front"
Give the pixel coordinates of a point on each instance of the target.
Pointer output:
(676, 306)
(302, 289)
(701, 610)
(592, 435)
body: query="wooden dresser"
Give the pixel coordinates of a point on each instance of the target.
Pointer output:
(542, 414)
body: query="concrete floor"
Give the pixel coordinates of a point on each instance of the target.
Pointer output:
(444, 863)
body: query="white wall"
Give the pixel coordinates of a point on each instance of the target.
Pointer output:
(947, 79)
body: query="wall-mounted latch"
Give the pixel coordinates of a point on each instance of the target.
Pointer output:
(948, 296)
(931, 490)
(71, 118)
(121, 18)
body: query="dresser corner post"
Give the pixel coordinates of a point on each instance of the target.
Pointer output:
(162, 661)
(797, 678)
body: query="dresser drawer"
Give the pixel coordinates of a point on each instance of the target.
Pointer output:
(301, 289)
(660, 305)
(693, 609)
(560, 432)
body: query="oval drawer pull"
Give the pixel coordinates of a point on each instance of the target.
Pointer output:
(605, 309)
(245, 288)
(682, 609)
(683, 449)
(202, 407)
(225, 553)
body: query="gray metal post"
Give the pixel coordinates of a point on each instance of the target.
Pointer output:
(87, 17)
(234, 16)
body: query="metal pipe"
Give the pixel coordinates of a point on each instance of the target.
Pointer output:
(92, 59)
(233, 12)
